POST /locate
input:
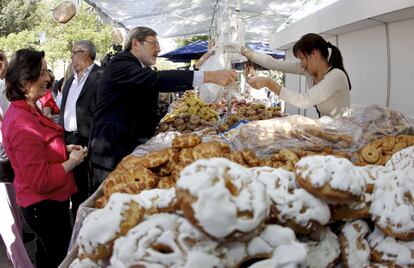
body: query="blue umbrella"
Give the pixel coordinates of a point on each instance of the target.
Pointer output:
(196, 49)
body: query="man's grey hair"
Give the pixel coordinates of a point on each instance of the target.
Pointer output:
(89, 46)
(138, 33)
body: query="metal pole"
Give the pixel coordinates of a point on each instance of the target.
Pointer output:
(228, 89)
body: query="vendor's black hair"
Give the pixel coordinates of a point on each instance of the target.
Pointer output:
(311, 41)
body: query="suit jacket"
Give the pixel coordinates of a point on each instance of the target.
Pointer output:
(126, 112)
(86, 103)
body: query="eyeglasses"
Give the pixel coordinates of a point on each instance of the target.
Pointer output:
(78, 51)
(152, 43)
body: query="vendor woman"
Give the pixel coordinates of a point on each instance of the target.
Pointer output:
(327, 83)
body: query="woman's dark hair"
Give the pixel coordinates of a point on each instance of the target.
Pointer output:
(311, 41)
(24, 67)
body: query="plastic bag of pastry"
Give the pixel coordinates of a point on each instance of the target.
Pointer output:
(64, 12)
(377, 122)
(266, 137)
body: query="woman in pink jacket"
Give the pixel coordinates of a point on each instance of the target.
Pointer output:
(41, 161)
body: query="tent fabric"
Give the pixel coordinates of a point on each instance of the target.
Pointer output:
(196, 49)
(188, 52)
(180, 18)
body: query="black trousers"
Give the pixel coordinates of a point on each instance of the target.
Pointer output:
(98, 175)
(80, 172)
(50, 221)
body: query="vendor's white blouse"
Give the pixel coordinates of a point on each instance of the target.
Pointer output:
(331, 94)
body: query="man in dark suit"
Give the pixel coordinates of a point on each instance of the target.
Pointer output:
(126, 112)
(77, 108)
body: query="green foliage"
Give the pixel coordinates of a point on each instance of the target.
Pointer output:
(59, 38)
(16, 16)
(185, 41)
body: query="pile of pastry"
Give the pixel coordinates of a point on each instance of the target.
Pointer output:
(185, 124)
(189, 114)
(249, 112)
(223, 214)
(161, 168)
(377, 122)
(380, 150)
(267, 136)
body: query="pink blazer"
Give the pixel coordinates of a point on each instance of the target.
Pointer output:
(36, 149)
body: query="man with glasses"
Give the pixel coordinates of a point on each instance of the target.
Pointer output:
(78, 105)
(126, 113)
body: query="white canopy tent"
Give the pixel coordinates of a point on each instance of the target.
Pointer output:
(178, 18)
(376, 37)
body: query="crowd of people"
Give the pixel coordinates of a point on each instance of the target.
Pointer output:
(62, 149)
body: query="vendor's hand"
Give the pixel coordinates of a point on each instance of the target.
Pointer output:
(258, 82)
(261, 82)
(72, 147)
(221, 77)
(247, 52)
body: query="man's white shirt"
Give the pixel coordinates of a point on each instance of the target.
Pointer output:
(70, 120)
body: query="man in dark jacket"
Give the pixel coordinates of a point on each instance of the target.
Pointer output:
(126, 113)
(77, 108)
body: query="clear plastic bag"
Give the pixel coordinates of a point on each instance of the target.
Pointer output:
(376, 122)
(266, 137)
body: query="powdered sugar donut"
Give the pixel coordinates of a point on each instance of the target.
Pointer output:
(269, 263)
(333, 179)
(157, 200)
(221, 198)
(371, 173)
(164, 240)
(103, 226)
(84, 263)
(352, 211)
(392, 207)
(360, 209)
(402, 159)
(274, 242)
(355, 249)
(389, 251)
(292, 206)
(324, 252)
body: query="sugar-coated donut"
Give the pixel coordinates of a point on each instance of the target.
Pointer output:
(222, 198)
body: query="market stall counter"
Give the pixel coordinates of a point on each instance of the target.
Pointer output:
(230, 191)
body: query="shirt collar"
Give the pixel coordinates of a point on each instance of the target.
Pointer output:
(142, 65)
(86, 72)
